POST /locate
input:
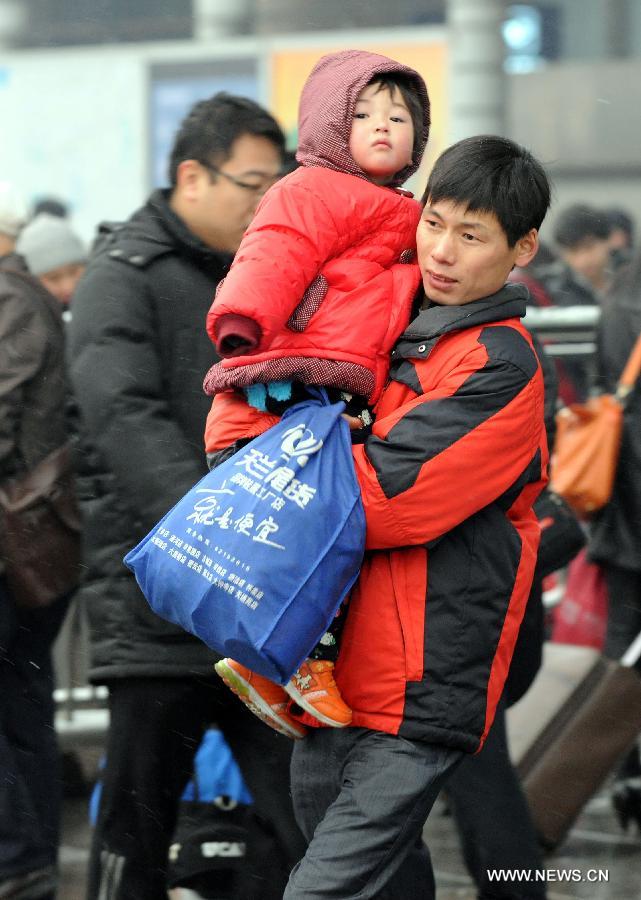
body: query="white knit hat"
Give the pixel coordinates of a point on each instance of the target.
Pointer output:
(13, 209)
(49, 242)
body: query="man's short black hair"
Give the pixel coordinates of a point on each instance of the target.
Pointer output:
(580, 222)
(413, 101)
(492, 174)
(211, 126)
(619, 219)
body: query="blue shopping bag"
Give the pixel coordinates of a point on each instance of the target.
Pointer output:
(257, 557)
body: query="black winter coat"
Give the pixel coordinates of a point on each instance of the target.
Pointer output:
(616, 531)
(138, 352)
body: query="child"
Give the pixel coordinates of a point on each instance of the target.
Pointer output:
(319, 292)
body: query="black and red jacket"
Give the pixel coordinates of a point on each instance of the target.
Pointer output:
(456, 458)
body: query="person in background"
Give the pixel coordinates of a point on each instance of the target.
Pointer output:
(138, 351)
(551, 282)
(621, 237)
(582, 237)
(54, 254)
(56, 257)
(615, 533)
(52, 206)
(567, 274)
(32, 425)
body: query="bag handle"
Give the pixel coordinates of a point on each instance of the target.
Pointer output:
(315, 393)
(318, 393)
(630, 373)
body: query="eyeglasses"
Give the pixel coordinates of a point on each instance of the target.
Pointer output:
(258, 185)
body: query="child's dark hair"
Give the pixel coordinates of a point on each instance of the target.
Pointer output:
(492, 174)
(412, 99)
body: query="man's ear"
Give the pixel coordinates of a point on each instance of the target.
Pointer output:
(189, 174)
(526, 248)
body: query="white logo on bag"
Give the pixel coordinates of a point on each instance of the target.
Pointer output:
(300, 443)
(271, 481)
(228, 849)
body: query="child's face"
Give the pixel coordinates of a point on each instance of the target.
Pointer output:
(463, 255)
(382, 135)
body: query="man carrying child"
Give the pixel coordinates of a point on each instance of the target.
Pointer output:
(448, 474)
(456, 457)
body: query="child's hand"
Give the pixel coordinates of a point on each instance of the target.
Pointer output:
(355, 424)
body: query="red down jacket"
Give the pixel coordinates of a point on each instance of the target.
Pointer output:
(345, 237)
(457, 456)
(320, 286)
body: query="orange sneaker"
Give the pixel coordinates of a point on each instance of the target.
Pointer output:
(313, 688)
(263, 697)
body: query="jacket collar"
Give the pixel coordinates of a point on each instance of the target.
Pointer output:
(176, 232)
(153, 231)
(507, 303)
(13, 262)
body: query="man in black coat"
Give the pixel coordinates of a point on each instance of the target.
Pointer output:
(138, 352)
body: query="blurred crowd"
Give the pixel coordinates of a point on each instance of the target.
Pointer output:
(159, 271)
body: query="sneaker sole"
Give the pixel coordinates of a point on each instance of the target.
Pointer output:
(254, 702)
(299, 699)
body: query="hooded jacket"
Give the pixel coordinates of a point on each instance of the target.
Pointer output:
(456, 458)
(320, 288)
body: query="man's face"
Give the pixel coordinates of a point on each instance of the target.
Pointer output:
(219, 207)
(463, 255)
(382, 135)
(62, 282)
(590, 258)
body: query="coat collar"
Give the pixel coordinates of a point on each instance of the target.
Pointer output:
(431, 323)
(154, 231)
(13, 262)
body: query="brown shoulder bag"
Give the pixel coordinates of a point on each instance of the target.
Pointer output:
(40, 531)
(588, 439)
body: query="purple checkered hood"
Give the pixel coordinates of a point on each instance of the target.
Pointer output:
(327, 107)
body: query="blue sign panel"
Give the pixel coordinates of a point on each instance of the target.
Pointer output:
(175, 89)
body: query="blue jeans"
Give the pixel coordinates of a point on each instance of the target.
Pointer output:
(30, 784)
(361, 798)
